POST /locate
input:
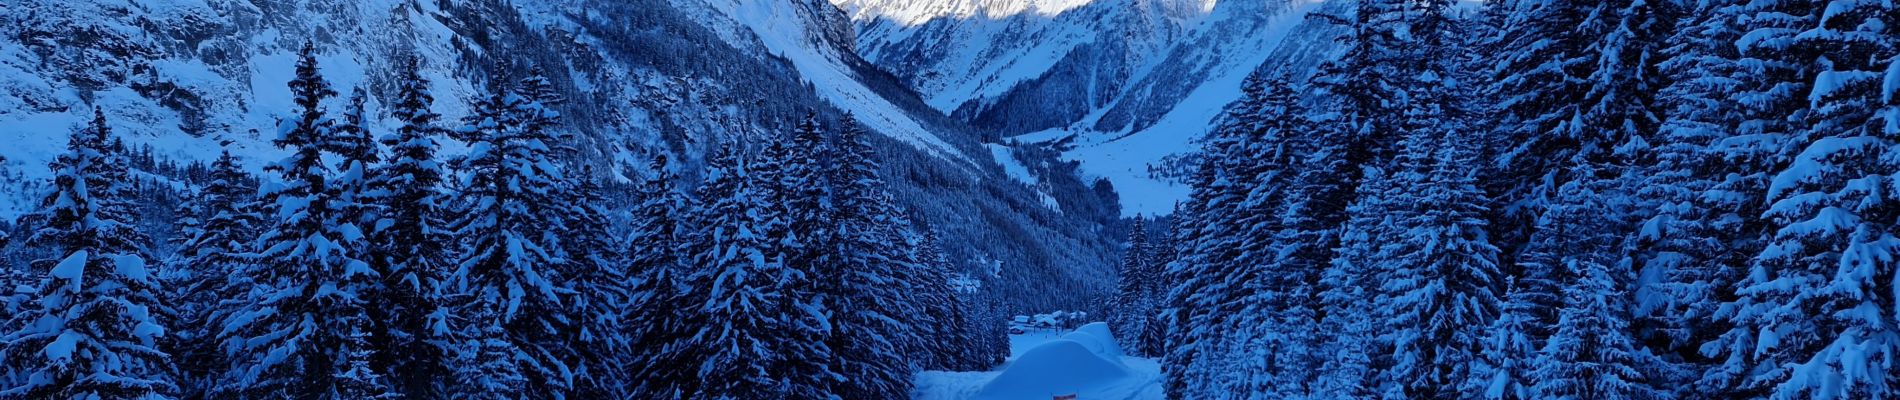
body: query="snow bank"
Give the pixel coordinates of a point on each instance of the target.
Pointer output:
(1085, 359)
(1097, 338)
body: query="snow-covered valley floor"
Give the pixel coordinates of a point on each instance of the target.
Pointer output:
(1046, 363)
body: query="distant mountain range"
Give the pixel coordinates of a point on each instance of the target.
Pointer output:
(1119, 85)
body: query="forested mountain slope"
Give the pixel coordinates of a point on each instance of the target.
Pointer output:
(182, 81)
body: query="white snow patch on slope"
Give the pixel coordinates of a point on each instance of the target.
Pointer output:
(779, 29)
(1011, 166)
(991, 76)
(1017, 171)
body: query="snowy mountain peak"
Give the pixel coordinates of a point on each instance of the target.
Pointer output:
(1126, 83)
(913, 12)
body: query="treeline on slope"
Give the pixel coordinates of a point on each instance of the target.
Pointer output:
(1046, 256)
(1135, 310)
(370, 268)
(1618, 199)
(1024, 254)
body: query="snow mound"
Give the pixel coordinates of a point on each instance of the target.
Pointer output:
(1085, 359)
(1097, 338)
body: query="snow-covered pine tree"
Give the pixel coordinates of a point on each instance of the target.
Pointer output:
(1289, 226)
(92, 331)
(935, 314)
(918, 292)
(1808, 323)
(1129, 308)
(661, 303)
(1283, 360)
(594, 271)
(482, 360)
(1362, 84)
(1539, 44)
(1205, 282)
(357, 147)
(1574, 237)
(992, 322)
(867, 301)
(289, 334)
(1591, 355)
(1161, 251)
(1774, 110)
(1698, 242)
(357, 194)
(411, 241)
(354, 142)
(806, 192)
(1438, 284)
(1594, 131)
(509, 219)
(955, 340)
(793, 228)
(1574, 81)
(732, 347)
(1332, 149)
(1348, 354)
(1509, 356)
(1441, 288)
(211, 253)
(589, 266)
(187, 220)
(1624, 111)
(536, 88)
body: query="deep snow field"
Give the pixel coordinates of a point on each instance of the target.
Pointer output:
(1046, 363)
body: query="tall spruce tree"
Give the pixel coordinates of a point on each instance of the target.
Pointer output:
(1162, 252)
(1440, 287)
(1206, 283)
(1509, 355)
(1361, 91)
(1808, 304)
(1774, 111)
(953, 339)
(1699, 240)
(291, 334)
(1347, 368)
(1575, 82)
(805, 193)
(93, 330)
(661, 302)
(510, 265)
(1591, 354)
(1594, 130)
(1540, 45)
(733, 344)
(781, 173)
(1130, 306)
(412, 242)
(867, 332)
(1287, 238)
(1441, 290)
(211, 254)
(594, 270)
